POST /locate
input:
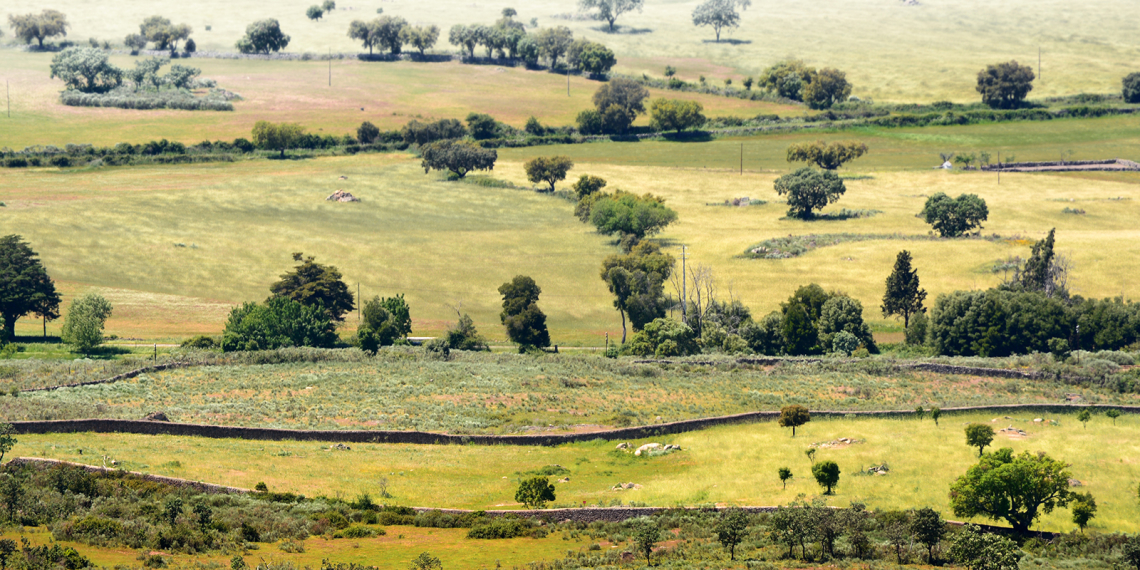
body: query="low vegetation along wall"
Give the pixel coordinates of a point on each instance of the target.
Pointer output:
(43, 463)
(147, 427)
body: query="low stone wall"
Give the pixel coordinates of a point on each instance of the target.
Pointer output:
(43, 463)
(123, 376)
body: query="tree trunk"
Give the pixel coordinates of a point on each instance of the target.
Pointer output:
(612, 24)
(9, 328)
(45, 326)
(622, 326)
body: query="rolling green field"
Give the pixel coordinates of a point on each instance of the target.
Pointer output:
(450, 245)
(480, 393)
(891, 51)
(733, 465)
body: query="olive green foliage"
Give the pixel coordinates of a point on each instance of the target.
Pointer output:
(548, 169)
(457, 158)
(421, 134)
(610, 10)
(720, 15)
(263, 36)
(482, 126)
(787, 79)
(425, 561)
(904, 296)
(828, 156)
(952, 217)
(826, 473)
(1005, 85)
(535, 492)
(315, 12)
(629, 215)
(979, 436)
(1084, 416)
(663, 338)
(977, 550)
(809, 189)
(928, 528)
(553, 43)
(1131, 91)
(464, 336)
(524, 321)
(279, 322)
(86, 70)
(25, 286)
(328, 5)
(163, 33)
(1041, 272)
(785, 474)
(380, 326)
(918, 330)
(827, 87)
(316, 285)
(83, 325)
(935, 413)
(590, 57)
(7, 439)
(619, 102)
(843, 314)
(1013, 488)
(794, 416)
(1112, 414)
(39, 27)
(997, 322)
(1131, 551)
(676, 115)
(422, 38)
(1083, 509)
(460, 35)
(385, 32)
(731, 529)
(844, 343)
(587, 185)
(277, 136)
(367, 133)
(646, 533)
(637, 281)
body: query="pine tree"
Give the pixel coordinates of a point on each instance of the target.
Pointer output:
(904, 297)
(1036, 276)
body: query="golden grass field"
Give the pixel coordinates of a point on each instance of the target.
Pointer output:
(734, 465)
(890, 51)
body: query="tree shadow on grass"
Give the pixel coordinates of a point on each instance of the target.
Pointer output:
(729, 41)
(623, 30)
(688, 137)
(841, 215)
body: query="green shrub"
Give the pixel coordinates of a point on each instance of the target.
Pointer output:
(501, 527)
(355, 531)
(200, 341)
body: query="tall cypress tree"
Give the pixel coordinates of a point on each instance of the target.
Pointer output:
(904, 297)
(1036, 276)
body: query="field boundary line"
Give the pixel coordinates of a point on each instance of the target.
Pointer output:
(45, 463)
(147, 427)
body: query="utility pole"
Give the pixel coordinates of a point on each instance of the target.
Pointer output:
(330, 67)
(684, 282)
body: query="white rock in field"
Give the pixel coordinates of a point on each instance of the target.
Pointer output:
(648, 447)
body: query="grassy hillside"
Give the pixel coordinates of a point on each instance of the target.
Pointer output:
(447, 244)
(891, 51)
(729, 465)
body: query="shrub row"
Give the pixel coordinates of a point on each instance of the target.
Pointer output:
(173, 99)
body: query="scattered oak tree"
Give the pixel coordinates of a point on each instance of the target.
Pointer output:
(535, 492)
(315, 285)
(422, 38)
(163, 33)
(785, 474)
(553, 43)
(524, 321)
(646, 533)
(263, 36)
(675, 115)
(460, 35)
(927, 526)
(277, 136)
(630, 216)
(794, 416)
(826, 156)
(611, 10)
(83, 326)
(1131, 88)
(979, 436)
(826, 473)
(1005, 85)
(732, 529)
(809, 189)
(482, 126)
(1083, 509)
(315, 12)
(619, 102)
(904, 296)
(1014, 488)
(827, 87)
(367, 133)
(25, 287)
(591, 57)
(637, 281)
(719, 14)
(39, 27)
(787, 79)
(548, 169)
(279, 322)
(86, 69)
(952, 217)
(457, 157)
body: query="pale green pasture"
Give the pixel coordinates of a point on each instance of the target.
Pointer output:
(728, 465)
(386, 94)
(891, 51)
